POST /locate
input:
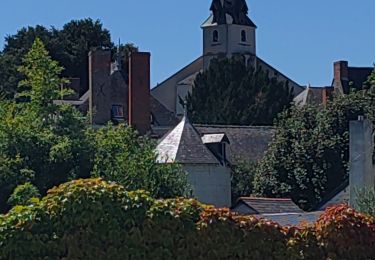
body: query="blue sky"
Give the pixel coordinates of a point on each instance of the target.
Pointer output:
(300, 38)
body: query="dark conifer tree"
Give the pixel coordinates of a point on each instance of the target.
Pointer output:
(230, 92)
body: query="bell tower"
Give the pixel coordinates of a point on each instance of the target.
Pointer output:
(229, 31)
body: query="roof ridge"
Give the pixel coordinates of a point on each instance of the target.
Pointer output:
(234, 126)
(266, 199)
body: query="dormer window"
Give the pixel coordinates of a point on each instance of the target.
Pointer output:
(243, 36)
(215, 36)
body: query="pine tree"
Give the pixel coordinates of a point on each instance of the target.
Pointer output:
(230, 92)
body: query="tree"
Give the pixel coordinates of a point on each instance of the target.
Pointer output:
(310, 151)
(69, 46)
(123, 157)
(39, 137)
(242, 179)
(78, 38)
(42, 84)
(230, 92)
(23, 195)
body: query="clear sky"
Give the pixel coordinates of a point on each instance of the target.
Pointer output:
(301, 38)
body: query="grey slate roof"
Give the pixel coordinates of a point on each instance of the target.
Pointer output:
(269, 206)
(161, 115)
(184, 145)
(294, 219)
(247, 143)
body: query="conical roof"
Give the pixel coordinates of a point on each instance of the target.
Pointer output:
(184, 145)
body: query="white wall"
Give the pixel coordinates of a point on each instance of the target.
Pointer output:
(211, 184)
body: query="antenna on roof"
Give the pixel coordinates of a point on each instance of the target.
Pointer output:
(118, 56)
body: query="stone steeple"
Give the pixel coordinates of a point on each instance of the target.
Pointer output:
(229, 31)
(230, 12)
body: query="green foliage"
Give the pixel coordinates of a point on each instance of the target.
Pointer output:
(230, 92)
(127, 159)
(310, 152)
(366, 201)
(93, 219)
(69, 46)
(242, 179)
(42, 79)
(23, 195)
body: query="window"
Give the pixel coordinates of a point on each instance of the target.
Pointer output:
(117, 111)
(215, 36)
(243, 36)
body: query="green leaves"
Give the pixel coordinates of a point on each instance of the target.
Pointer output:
(310, 151)
(130, 160)
(229, 92)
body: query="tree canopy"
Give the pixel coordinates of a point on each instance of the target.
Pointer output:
(47, 145)
(310, 152)
(69, 46)
(230, 92)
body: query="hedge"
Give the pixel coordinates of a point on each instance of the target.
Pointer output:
(93, 219)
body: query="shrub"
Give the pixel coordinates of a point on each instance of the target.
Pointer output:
(93, 219)
(23, 194)
(344, 233)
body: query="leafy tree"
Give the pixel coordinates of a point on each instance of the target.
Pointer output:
(69, 46)
(230, 92)
(78, 38)
(42, 80)
(309, 155)
(48, 140)
(242, 179)
(123, 157)
(23, 195)
(16, 47)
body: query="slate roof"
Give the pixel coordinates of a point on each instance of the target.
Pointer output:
(269, 206)
(247, 143)
(311, 96)
(228, 20)
(294, 219)
(183, 144)
(359, 75)
(161, 115)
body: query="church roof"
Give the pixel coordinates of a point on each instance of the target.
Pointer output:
(184, 145)
(229, 12)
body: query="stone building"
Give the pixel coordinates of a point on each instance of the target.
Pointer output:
(228, 31)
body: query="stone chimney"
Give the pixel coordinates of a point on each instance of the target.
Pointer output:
(139, 92)
(341, 70)
(361, 158)
(99, 72)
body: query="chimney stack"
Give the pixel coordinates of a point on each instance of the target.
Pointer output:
(361, 158)
(341, 70)
(99, 72)
(139, 92)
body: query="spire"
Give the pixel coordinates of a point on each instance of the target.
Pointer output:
(236, 9)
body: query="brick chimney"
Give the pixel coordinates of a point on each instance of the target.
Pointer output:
(99, 72)
(139, 92)
(341, 71)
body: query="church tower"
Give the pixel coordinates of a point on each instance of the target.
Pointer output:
(228, 31)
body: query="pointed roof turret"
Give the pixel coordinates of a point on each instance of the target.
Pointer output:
(184, 145)
(229, 12)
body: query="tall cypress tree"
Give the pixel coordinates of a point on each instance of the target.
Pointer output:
(230, 92)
